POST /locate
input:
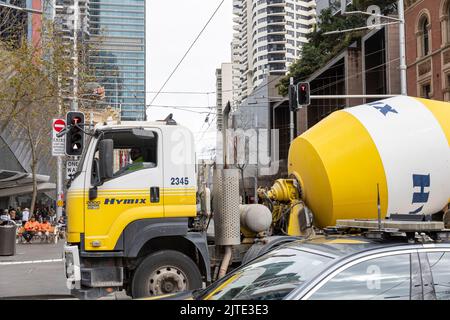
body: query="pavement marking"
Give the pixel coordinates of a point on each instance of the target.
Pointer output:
(29, 262)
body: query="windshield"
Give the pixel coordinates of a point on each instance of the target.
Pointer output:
(273, 276)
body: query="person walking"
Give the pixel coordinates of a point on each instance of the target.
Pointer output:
(25, 216)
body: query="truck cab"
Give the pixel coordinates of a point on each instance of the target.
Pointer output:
(131, 208)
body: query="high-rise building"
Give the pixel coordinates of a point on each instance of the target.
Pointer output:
(117, 37)
(224, 90)
(268, 38)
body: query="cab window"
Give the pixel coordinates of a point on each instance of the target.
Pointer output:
(134, 150)
(384, 278)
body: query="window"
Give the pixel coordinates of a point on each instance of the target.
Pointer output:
(134, 150)
(439, 265)
(385, 278)
(425, 37)
(426, 91)
(448, 22)
(272, 276)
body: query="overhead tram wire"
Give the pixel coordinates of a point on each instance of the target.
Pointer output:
(187, 52)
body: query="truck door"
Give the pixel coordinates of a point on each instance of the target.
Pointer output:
(132, 194)
(180, 183)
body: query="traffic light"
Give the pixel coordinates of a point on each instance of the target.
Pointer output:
(303, 94)
(293, 105)
(75, 136)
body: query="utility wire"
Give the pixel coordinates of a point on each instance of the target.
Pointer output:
(187, 52)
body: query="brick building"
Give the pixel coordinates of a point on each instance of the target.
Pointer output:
(428, 48)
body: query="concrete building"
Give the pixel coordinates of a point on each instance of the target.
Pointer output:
(224, 90)
(268, 38)
(428, 48)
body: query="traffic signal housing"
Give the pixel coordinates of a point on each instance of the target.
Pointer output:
(293, 104)
(75, 136)
(303, 94)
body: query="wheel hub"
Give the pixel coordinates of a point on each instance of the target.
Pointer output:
(167, 279)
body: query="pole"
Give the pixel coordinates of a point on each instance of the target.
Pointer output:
(291, 116)
(59, 162)
(76, 13)
(401, 15)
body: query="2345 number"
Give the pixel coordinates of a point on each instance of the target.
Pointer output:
(179, 181)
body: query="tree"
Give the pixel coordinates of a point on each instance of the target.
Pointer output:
(34, 81)
(321, 48)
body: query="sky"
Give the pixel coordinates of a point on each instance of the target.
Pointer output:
(172, 26)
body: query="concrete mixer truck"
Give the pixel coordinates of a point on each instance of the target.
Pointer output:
(143, 226)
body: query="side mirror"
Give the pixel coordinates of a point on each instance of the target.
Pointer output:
(106, 158)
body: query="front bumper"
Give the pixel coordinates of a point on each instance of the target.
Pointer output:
(71, 258)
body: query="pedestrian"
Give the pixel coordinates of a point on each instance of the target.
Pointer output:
(12, 214)
(5, 217)
(25, 216)
(19, 215)
(45, 228)
(31, 227)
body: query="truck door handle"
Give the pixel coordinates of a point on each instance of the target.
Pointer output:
(154, 194)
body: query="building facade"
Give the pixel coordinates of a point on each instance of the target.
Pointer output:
(16, 25)
(117, 37)
(224, 90)
(428, 48)
(268, 38)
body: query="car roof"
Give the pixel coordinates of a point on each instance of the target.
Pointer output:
(338, 246)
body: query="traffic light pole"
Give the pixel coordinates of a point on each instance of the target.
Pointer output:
(59, 166)
(291, 116)
(76, 13)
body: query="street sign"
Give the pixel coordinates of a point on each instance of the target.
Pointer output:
(71, 166)
(58, 144)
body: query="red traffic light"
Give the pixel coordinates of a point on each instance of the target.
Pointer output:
(303, 94)
(76, 120)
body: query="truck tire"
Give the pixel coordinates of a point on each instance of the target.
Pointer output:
(165, 272)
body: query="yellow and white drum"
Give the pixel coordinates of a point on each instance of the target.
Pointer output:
(399, 146)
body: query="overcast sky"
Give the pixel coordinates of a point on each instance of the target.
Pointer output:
(172, 26)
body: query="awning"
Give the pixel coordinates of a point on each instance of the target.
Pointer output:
(27, 189)
(14, 183)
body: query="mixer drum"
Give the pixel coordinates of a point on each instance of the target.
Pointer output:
(399, 146)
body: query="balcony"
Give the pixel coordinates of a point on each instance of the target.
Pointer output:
(275, 12)
(276, 31)
(277, 48)
(277, 58)
(276, 40)
(276, 21)
(276, 3)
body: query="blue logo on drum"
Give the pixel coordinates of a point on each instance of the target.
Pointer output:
(382, 107)
(420, 181)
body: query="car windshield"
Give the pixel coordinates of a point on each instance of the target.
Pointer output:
(270, 277)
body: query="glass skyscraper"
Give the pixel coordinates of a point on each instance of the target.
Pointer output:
(117, 36)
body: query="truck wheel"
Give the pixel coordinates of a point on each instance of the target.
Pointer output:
(165, 272)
